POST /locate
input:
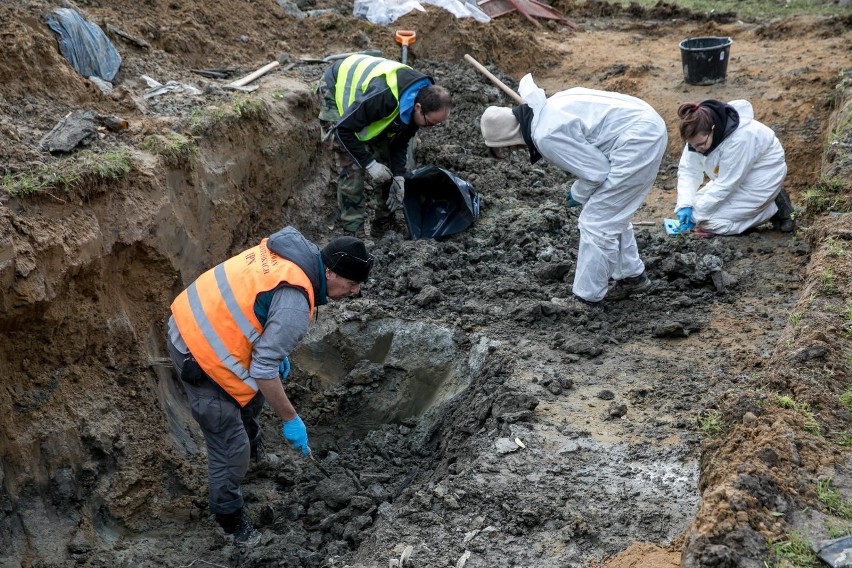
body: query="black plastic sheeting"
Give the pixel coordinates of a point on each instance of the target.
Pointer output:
(84, 45)
(438, 203)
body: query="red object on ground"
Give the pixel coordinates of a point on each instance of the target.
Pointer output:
(530, 9)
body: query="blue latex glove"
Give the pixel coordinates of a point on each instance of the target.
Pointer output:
(295, 433)
(571, 202)
(684, 216)
(284, 369)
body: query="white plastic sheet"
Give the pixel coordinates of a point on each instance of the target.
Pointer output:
(388, 11)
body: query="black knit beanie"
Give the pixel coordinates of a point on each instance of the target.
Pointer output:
(348, 257)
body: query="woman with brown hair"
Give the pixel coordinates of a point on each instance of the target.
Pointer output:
(743, 163)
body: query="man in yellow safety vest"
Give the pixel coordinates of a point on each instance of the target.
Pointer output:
(373, 107)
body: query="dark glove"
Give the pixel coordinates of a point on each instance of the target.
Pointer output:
(684, 216)
(295, 433)
(571, 202)
(284, 369)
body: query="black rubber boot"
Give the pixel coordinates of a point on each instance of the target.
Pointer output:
(783, 219)
(239, 524)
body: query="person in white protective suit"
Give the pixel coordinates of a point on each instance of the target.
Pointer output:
(745, 165)
(613, 144)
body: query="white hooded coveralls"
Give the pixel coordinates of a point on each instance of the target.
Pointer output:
(613, 144)
(746, 172)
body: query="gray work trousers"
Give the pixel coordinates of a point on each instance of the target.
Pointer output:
(229, 431)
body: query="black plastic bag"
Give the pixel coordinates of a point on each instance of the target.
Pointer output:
(438, 203)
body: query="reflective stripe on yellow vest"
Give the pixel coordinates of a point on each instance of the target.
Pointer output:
(215, 314)
(353, 79)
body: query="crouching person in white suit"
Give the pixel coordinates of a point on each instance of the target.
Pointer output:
(744, 164)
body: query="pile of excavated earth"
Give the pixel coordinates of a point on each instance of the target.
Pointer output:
(459, 417)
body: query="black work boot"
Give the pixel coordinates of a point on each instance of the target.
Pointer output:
(783, 219)
(239, 524)
(627, 286)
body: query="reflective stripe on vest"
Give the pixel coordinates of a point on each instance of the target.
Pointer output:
(353, 79)
(215, 314)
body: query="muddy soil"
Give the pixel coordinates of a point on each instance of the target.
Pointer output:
(459, 416)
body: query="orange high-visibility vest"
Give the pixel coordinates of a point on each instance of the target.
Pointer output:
(215, 314)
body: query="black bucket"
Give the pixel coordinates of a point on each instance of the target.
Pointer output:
(705, 59)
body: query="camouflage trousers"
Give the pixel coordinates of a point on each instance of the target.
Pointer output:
(351, 196)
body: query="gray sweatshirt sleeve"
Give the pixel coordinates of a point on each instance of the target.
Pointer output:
(286, 325)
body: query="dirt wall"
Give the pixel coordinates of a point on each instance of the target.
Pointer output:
(780, 454)
(83, 296)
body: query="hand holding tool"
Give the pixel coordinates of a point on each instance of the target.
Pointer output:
(684, 215)
(404, 38)
(294, 432)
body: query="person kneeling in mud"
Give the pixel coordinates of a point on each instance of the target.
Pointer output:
(745, 165)
(613, 144)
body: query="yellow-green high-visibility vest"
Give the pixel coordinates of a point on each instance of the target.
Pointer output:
(353, 78)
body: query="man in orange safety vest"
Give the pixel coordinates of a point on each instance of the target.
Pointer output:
(228, 334)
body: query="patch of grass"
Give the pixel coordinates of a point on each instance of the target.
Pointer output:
(795, 318)
(827, 194)
(108, 166)
(841, 128)
(174, 148)
(785, 401)
(846, 399)
(248, 109)
(751, 7)
(201, 121)
(835, 531)
(69, 174)
(847, 319)
(832, 500)
(826, 282)
(795, 551)
(711, 423)
(25, 184)
(811, 425)
(835, 247)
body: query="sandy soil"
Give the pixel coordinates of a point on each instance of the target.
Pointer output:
(688, 426)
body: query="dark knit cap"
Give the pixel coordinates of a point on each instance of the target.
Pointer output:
(348, 257)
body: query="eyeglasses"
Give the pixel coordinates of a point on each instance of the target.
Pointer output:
(426, 122)
(706, 143)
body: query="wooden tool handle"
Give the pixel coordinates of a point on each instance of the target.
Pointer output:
(252, 76)
(494, 79)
